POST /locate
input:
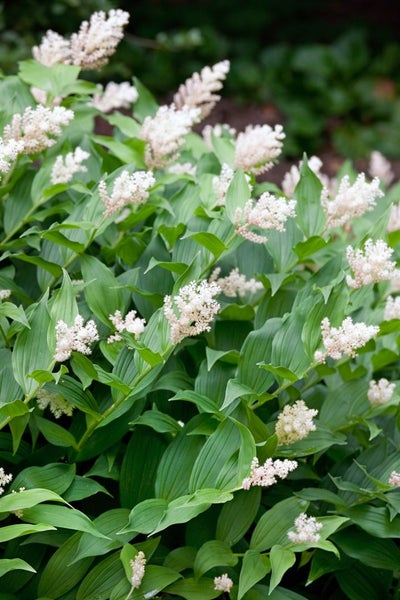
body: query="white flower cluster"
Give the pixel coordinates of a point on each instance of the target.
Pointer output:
(217, 131)
(127, 189)
(223, 583)
(370, 266)
(78, 337)
(268, 212)
(53, 49)
(306, 530)
(394, 479)
(114, 96)
(381, 392)
(257, 146)
(131, 324)
(380, 167)
(295, 422)
(4, 479)
(198, 90)
(392, 308)
(36, 128)
(9, 152)
(394, 218)
(4, 294)
(164, 134)
(350, 200)
(235, 284)
(345, 339)
(138, 565)
(292, 177)
(185, 168)
(65, 167)
(266, 474)
(196, 309)
(58, 405)
(222, 182)
(90, 48)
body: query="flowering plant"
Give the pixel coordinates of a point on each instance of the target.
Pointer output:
(199, 371)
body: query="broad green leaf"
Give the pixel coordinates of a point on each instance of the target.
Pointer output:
(158, 421)
(57, 79)
(103, 292)
(193, 589)
(55, 434)
(101, 580)
(281, 561)
(109, 523)
(13, 564)
(274, 524)
(209, 241)
(146, 104)
(375, 521)
(145, 516)
(83, 487)
(255, 567)
(27, 499)
(371, 551)
(213, 553)
(10, 532)
(203, 403)
(56, 477)
(237, 516)
(139, 466)
(180, 559)
(213, 458)
(238, 192)
(156, 579)
(59, 576)
(175, 466)
(13, 312)
(61, 516)
(360, 582)
(31, 350)
(310, 214)
(185, 508)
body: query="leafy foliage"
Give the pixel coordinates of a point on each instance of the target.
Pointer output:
(123, 442)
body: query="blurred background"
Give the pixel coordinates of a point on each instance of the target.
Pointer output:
(328, 70)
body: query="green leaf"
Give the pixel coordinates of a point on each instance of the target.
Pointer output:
(14, 564)
(185, 508)
(101, 580)
(103, 292)
(145, 516)
(209, 470)
(371, 551)
(281, 561)
(10, 532)
(274, 524)
(375, 521)
(160, 422)
(255, 567)
(213, 553)
(57, 79)
(309, 212)
(61, 516)
(238, 192)
(237, 516)
(209, 241)
(193, 589)
(31, 350)
(146, 104)
(139, 466)
(55, 434)
(203, 403)
(27, 499)
(282, 372)
(13, 312)
(56, 477)
(59, 576)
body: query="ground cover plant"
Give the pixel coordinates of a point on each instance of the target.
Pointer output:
(199, 370)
